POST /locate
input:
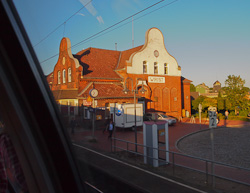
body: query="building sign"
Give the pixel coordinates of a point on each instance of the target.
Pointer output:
(155, 79)
(87, 103)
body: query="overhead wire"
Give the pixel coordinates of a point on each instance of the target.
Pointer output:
(126, 23)
(49, 34)
(98, 33)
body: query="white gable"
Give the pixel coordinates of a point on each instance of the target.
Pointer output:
(153, 53)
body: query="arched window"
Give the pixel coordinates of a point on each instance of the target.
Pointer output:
(64, 76)
(165, 68)
(59, 77)
(145, 67)
(155, 68)
(69, 74)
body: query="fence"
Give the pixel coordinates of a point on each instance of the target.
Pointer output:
(204, 166)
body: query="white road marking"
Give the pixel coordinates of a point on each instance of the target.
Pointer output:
(151, 173)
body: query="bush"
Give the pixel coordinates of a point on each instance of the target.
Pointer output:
(243, 113)
(204, 115)
(221, 116)
(239, 118)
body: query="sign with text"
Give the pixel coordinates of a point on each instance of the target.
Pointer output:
(155, 79)
(87, 103)
(212, 117)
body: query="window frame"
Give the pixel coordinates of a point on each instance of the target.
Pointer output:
(29, 122)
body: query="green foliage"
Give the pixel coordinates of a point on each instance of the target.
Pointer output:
(196, 102)
(238, 118)
(220, 103)
(243, 113)
(221, 116)
(207, 102)
(236, 92)
(192, 88)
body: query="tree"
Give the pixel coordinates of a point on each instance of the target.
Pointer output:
(196, 102)
(220, 102)
(192, 88)
(207, 102)
(236, 93)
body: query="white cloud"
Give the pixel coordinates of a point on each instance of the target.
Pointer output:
(89, 7)
(100, 20)
(80, 14)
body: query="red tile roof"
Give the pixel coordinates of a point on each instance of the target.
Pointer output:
(125, 56)
(98, 63)
(107, 91)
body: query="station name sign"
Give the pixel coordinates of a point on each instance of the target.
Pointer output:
(154, 79)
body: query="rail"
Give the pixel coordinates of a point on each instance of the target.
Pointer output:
(185, 164)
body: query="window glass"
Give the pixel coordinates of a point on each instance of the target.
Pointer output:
(69, 75)
(165, 68)
(59, 77)
(155, 68)
(89, 48)
(145, 67)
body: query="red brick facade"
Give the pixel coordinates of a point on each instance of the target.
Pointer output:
(106, 71)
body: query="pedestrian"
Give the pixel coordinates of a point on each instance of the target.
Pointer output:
(106, 125)
(111, 128)
(72, 125)
(226, 115)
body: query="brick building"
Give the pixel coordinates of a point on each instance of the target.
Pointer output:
(149, 65)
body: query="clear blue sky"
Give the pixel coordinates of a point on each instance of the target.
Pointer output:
(209, 38)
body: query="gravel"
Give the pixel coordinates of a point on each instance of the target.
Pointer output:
(231, 145)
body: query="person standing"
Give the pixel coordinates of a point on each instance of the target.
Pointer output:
(111, 128)
(72, 125)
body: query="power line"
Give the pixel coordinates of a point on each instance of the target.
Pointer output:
(61, 25)
(124, 24)
(98, 33)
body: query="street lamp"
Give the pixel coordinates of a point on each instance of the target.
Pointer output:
(135, 91)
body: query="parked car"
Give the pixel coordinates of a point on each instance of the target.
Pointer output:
(159, 116)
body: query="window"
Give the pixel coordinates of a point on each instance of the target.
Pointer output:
(59, 77)
(155, 68)
(145, 67)
(69, 75)
(64, 76)
(165, 68)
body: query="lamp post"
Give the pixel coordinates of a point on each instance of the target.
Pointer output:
(135, 91)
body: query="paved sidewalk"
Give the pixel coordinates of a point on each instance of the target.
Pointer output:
(176, 132)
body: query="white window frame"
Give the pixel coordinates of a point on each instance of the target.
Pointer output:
(69, 74)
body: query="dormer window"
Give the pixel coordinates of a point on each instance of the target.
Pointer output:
(155, 68)
(64, 76)
(165, 68)
(145, 67)
(69, 74)
(59, 77)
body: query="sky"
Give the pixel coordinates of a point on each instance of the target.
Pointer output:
(210, 39)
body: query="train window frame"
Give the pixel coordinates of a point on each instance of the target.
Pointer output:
(34, 125)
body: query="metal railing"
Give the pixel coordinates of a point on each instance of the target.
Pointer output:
(224, 172)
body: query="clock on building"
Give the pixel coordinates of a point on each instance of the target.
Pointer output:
(93, 93)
